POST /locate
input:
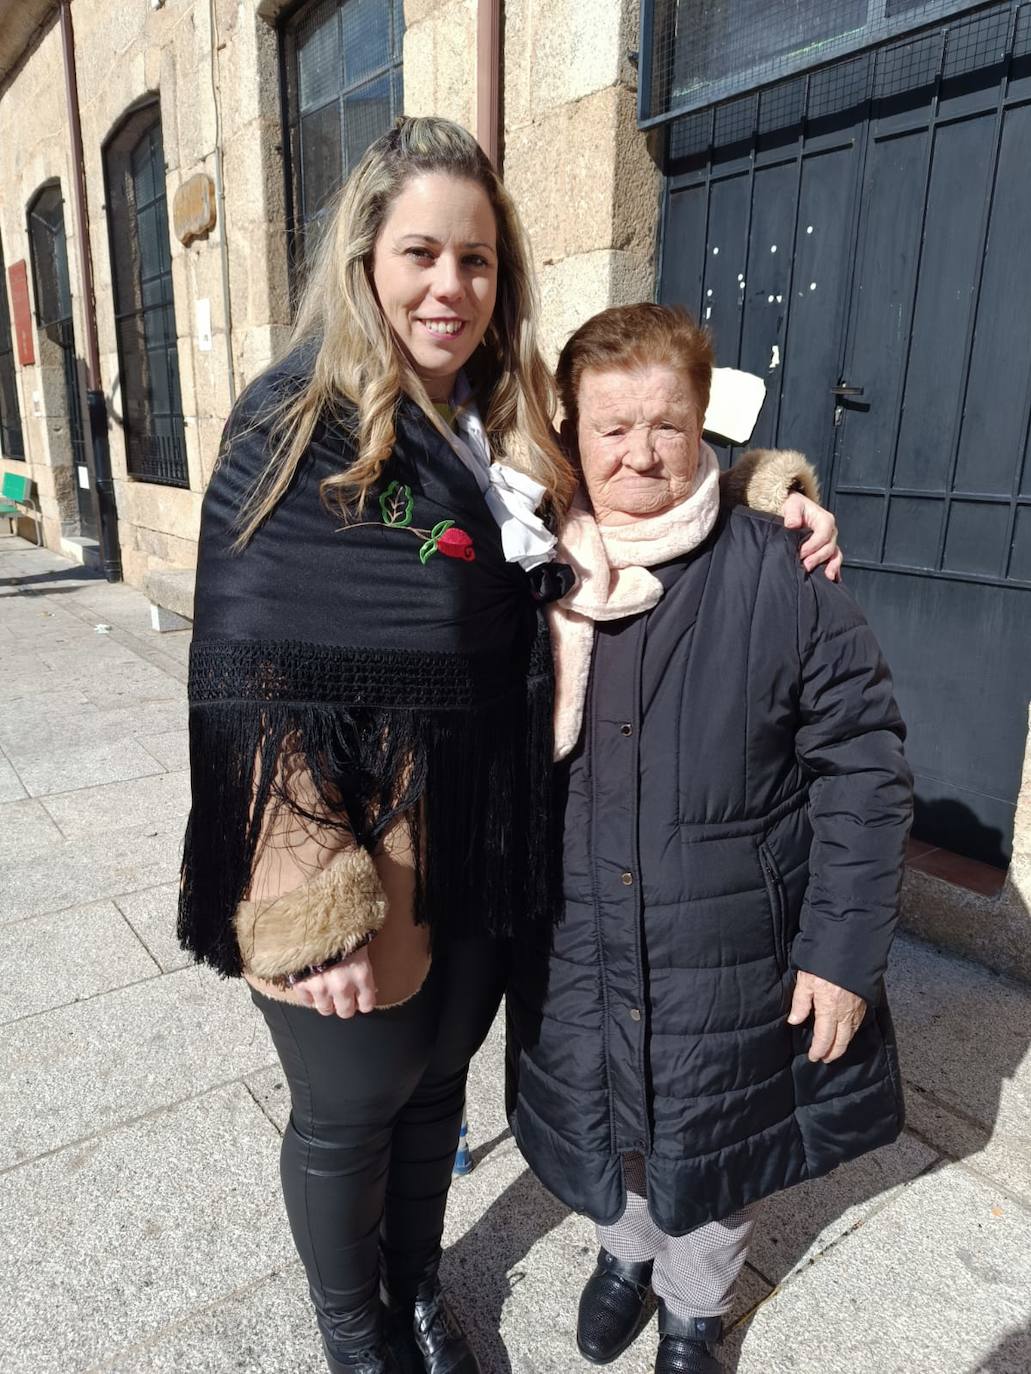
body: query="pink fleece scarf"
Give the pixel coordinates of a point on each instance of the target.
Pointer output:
(611, 563)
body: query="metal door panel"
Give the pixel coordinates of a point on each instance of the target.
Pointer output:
(960, 180)
(960, 654)
(726, 257)
(892, 220)
(683, 256)
(765, 284)
(995, 410)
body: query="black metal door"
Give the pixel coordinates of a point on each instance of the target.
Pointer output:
(54, 316)
(867, 259)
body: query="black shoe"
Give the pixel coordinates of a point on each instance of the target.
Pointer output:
(375, 1359)
(688, 1347)
(439, 1335)
(612, 1308)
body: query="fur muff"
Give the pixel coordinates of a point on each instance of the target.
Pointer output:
(764, 478)
(325, 917)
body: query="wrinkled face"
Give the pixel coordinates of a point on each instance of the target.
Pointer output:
(639, 436)
(435, 271)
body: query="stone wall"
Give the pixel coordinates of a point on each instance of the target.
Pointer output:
(35, 150)
(126, 55)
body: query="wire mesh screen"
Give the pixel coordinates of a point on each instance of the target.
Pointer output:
(12, 445)
(701, 52)
(344, 88)
(970, 43)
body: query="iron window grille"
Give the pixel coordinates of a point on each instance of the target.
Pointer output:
(49, 252)
(141, 261)
(12, 443)
(342, 88)
(696, 53)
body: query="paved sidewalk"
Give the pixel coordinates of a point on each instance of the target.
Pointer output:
(140, 1103)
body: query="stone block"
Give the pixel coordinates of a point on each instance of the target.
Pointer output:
(162, 508)
(558, 53)
(172, 588)
(575, 288)
(153, 1245)
(98, 1064)
(608, 194)
(56, 959)
(171, 749)
(152, 915)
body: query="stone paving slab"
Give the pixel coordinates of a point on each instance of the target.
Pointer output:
(105, 1244)
(171, 748)
(25, 829)
(84, 765)
(85, 870)
(796, 1226)
(86, 1068)
(152, 915)
(10, 784)
(162, 798)
(266, 1329)
(965, 1047)
(52, 960)
(932, 1283)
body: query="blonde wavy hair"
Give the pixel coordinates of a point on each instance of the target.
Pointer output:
(358, 360)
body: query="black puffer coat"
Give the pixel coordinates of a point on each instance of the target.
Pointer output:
(736, 809)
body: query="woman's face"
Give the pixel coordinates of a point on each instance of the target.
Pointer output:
(639, 436)
(435, 271)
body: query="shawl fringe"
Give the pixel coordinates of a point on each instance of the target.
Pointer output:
(443, 748)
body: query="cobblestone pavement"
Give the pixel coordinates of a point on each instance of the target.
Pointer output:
(140, 1103)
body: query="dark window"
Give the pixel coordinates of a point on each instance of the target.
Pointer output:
(343, 89)
(59, 365)
(697, 52)
(11, 443)
(148, 357)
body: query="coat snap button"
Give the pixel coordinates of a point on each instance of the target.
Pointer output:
(635, 1014)
(626, 729)
(628, 878)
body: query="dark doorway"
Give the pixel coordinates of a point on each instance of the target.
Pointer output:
(856, 236)
(49, 250)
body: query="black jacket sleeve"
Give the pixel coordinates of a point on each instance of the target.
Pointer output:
(849, 742)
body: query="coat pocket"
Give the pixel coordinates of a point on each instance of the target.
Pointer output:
(778, 904)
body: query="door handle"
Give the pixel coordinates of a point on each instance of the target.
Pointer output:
(843, 392)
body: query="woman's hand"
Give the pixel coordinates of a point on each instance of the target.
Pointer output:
(837, 1015)
(342, 990)
(822, 545)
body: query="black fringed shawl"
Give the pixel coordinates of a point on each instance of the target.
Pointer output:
(401, 661)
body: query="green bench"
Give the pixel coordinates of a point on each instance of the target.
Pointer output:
(15, 502)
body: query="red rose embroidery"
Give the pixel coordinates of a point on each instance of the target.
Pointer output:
(455, 543)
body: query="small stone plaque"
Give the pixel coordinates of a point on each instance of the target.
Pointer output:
(193, 209)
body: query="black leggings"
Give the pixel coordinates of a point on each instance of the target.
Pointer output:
(367, 1156)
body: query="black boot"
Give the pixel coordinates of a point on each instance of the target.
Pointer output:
(375, 1359)
(439, 1335)
(688, 1346)
(612, 1308)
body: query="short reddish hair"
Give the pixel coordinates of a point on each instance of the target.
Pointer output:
(630, 336)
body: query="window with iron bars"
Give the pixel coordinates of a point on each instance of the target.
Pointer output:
(12, 444)
(696, 53)
(342, 89)
(141, 262)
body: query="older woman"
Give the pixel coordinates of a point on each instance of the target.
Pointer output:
(709, 1026)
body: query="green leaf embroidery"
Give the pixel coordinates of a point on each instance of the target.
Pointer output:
(396, 505)
(427, 551)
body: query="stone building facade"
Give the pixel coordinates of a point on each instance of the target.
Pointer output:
(223, 102)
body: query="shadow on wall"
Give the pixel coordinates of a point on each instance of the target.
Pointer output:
(963, 1033)
(951, 825)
